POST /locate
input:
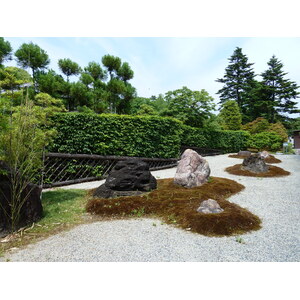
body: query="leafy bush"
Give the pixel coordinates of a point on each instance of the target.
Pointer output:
(265, 141)
(110, 134)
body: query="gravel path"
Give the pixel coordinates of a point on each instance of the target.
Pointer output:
(274, 200)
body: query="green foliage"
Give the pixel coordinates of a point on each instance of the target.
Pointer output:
(238, 80)
(258, 125)
(50, 105)
(190, 107)
(269, 141)
(12, 80)
(21, 148)
(146, 109)
(112, 63)
(5, 50)
(231, 116)
(281, 92)
(68, 67)
(142, 136)
(32, 56)
(280, 130)
(227, 140)
(193, 137)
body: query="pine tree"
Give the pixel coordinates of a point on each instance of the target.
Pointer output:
(238, 81)
(230, 116)
(280, 92)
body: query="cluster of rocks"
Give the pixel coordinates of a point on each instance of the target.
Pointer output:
(255, 163)
(30, 204)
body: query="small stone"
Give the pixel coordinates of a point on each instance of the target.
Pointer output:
(264, 154)
(192, 170)
(209, 206)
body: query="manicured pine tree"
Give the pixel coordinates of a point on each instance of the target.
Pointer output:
(238, 81)
(281, 92)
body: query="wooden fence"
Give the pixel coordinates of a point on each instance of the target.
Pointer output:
(64, 169)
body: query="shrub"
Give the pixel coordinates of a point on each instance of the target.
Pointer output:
(111, 134)
(265, 141)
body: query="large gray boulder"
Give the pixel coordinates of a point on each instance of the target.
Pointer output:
(192, 170)
(128, 177)
(255, 163)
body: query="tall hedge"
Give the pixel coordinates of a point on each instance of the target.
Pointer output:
(226, 140)
(107, 134)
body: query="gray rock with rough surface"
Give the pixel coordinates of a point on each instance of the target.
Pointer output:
(209, 206)
(255, 163)
(264, 154)
(192, 170)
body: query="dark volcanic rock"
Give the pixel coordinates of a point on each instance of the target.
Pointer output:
(255, 163)
(128, 177)
(31, 209)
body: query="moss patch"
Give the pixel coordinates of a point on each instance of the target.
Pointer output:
(272, 172)
(269, 160)
(178, 205)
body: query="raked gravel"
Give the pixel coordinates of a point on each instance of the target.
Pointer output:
(275, 200)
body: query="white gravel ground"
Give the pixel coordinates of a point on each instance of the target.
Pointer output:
(275, 200)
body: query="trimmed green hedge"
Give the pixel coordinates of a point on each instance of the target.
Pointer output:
(107, 134)
(141, 136)
(226, 140)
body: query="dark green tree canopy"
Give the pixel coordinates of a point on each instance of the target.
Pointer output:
(32, 56)
(68, 67)
(280, 92)
(5, 51)
(52, 84)
(95, 70)
(112, 63)
(125, 72)
(238, 80)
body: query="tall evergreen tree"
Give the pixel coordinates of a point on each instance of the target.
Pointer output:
(238, 81)
(280, 92)
(5, 50)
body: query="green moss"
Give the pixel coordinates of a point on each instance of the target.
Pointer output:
(178, 205)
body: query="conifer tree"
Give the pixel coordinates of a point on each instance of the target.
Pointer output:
(238, 81)
(230, 116)
(280, 92)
